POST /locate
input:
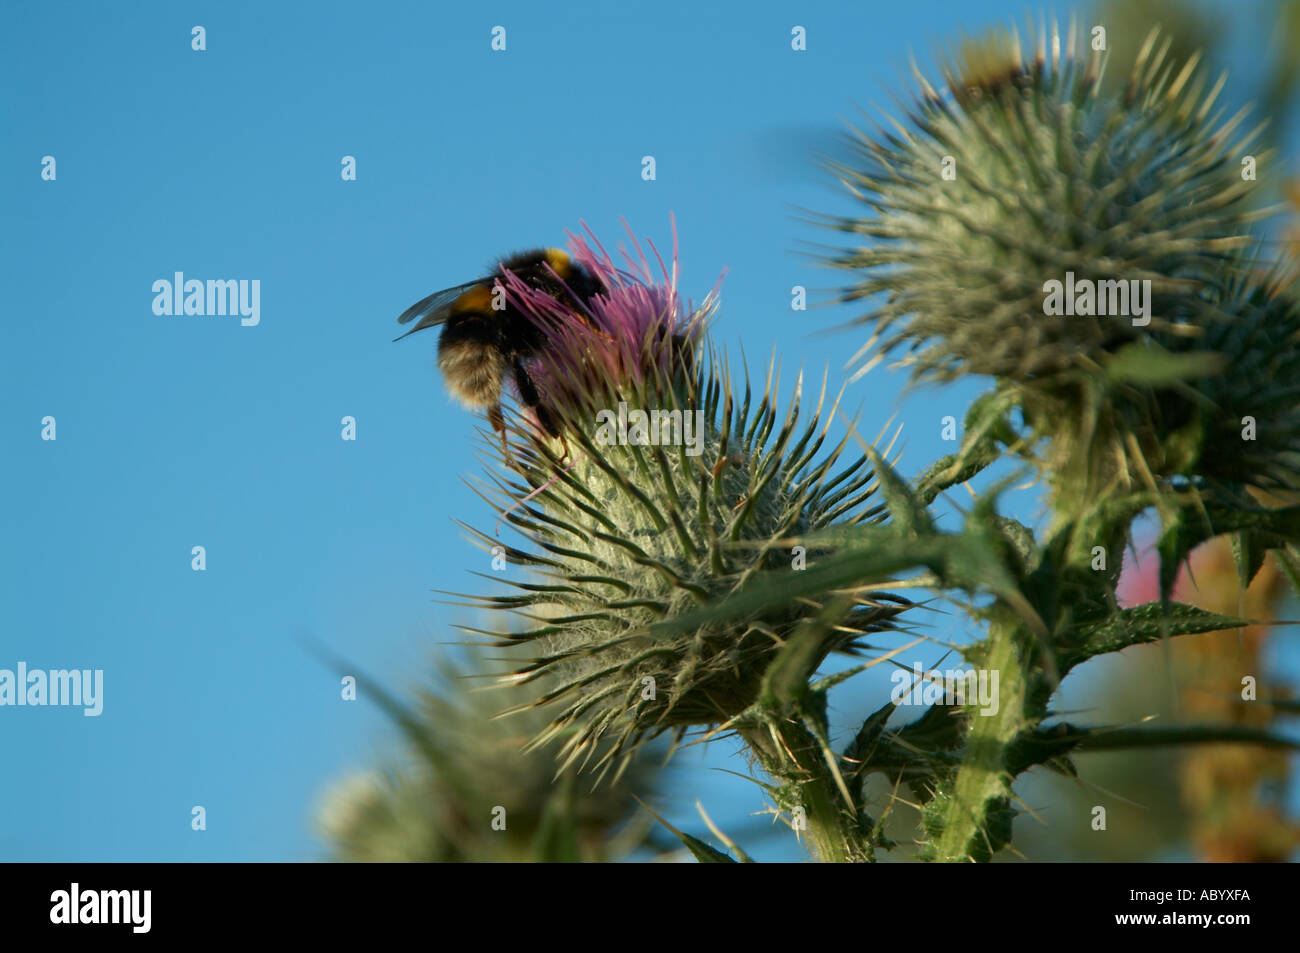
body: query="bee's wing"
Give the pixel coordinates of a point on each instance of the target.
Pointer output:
(435, 309)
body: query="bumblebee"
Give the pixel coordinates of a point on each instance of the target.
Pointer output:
(485, 339)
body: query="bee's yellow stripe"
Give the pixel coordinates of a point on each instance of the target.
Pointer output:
(559, 261)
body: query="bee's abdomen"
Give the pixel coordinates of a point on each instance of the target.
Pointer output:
(471, 359)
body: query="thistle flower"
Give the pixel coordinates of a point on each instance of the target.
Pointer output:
(1082, 248)
(639, 338)
(662, 493)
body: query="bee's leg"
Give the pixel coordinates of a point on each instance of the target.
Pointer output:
(531, 399)
(498, 421)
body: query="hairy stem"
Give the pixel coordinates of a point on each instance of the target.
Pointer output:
(806, 788)
(971, 813)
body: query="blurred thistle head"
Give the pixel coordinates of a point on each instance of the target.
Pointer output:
(461, 768)
(673, 490)
(1081, 247)
(1246, 418)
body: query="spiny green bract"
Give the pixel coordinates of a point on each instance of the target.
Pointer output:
(1248, 414)
(627, 536)
(1221, 406)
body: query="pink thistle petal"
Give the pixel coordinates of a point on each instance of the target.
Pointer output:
(620, 340)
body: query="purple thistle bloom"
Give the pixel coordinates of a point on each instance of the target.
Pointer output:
(638, 337)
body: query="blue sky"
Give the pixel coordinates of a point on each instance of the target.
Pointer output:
(178, 431)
